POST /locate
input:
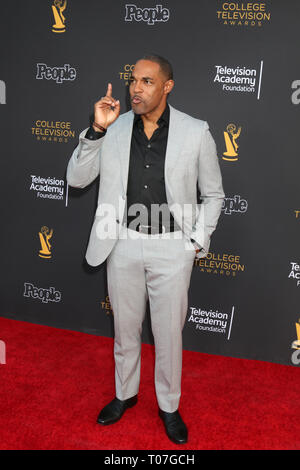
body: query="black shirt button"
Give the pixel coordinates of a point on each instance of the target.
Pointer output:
(149, 146)
(147, 166)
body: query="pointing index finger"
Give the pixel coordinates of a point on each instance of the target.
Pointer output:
(109, 90)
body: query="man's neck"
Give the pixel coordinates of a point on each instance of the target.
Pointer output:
(150, 119)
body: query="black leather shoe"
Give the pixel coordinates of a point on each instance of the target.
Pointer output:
(114, 411)
(175, 428)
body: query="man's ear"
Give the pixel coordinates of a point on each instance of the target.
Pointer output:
(168, 86)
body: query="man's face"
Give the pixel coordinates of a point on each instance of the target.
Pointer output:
(148, 87)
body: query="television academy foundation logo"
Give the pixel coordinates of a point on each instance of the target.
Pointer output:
(213, 321)
(243, 14)
(2, 92)
(150, 16)
(239, 79)
(45, 295)
(48, 188)
(57, 74)
(295, 273)
(222, 264)
(235, 205)
(52, 131)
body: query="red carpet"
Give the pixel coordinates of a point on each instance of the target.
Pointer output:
(55, 382)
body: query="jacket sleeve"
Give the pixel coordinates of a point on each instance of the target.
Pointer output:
(211, 190)
(84, 164)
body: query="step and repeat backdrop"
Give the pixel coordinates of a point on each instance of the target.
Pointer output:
(236, 65)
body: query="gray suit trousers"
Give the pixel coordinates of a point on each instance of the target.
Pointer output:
(156, 268)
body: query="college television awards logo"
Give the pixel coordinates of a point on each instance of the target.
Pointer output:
(58, 7)
(243, 14)
(150, 16)
(222, 264)
(2, 92)
(57, 74)
(211, 320)
(239, 79)
(125, 74)
(45, 235)
(52, 131)
(106, 306)
(231, 135)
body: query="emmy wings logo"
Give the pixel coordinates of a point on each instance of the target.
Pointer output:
(296, 343)
(58, 7)
(231, 135)
(243, 14)
(297, 214)
(2, 92)
(44, 236)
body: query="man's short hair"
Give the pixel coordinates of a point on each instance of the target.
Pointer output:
(164, 64)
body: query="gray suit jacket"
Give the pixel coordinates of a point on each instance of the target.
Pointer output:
(191, 159)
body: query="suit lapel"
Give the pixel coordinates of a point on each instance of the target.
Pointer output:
(175, 143)
(124, 141)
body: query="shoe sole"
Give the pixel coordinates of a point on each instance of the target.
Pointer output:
(176, 442)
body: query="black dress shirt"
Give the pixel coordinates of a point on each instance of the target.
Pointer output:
(146, 182)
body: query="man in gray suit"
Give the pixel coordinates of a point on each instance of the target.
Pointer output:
(148, 226)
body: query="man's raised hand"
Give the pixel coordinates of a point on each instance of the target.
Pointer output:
(106, 110)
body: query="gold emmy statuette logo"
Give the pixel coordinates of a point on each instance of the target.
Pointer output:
(57, 8)
(45, 236)
(296, 344)
(230, 136)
